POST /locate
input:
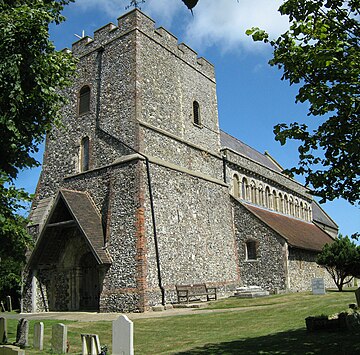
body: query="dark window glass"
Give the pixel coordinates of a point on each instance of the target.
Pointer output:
(251, 250)
(196, 109)
(85, 154)
(84, 100)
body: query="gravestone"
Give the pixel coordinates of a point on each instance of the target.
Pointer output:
(3, 330)
(22, 333)
(11, 350)
(3, 309)
(90, 344)
(8, 303)
(59, 338)
(39, 336)
(357, 295)
(318, 286)
(122, 336)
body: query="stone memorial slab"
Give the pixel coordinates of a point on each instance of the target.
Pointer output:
(39, 336)
(318, 286)
(123, 336)
(3, 330)
(357, 295)
(3, 309)
(90, 344)
(22, 333)
(11, 350)
(8, 304)
(59, 338)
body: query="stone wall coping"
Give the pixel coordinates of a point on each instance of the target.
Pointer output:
(178, 168)
(173, 136)
(119, 161)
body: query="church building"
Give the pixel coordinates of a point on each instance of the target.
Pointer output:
(141, 191)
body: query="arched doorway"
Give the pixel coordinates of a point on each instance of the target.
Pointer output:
(89, 290)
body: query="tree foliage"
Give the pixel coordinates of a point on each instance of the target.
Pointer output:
(341, 259)
(31, 74)
(320, 53)
(14, 240)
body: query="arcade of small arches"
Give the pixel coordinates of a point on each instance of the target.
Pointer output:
(264, 195)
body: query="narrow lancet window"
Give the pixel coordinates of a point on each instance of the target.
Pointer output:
(196, 113)
(84, 100)
(84, 154)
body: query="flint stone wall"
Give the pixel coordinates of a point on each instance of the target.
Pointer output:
(196, 240)
(303, 268)
(269, 269)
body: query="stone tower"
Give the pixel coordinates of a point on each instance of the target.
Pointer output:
(132, 199)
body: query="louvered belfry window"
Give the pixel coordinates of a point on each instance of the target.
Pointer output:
(196, 113)
(84, 100)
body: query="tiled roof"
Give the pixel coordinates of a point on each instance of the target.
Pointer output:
(319, 215)
(297, 233)
(88, 219)
(80, 212)
(230, 142)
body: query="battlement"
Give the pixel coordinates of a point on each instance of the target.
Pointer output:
(137, 20)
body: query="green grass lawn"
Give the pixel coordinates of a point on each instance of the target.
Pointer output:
(273, 325)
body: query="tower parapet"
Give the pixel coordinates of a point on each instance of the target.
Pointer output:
(138, 21)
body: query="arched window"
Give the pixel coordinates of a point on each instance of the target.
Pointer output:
(281, 203)
(253, 191)
(286, 204)
(306, 212)
(291, 205)
(84, 100)
(267, 197)
(261, 195)
(301, 211)
(236, 190)
(251, 250)
(275, 201)
(244, 189)
(296, 207)
(84, 154)
(196, 113)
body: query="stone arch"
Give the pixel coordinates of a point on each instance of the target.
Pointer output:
(245, 189)
(296, 204)
(261, 195)
(286, 204)
(275, 200)
(291, 206)
(267, 197)
(235, 186)
(253, 191)
(280, 202)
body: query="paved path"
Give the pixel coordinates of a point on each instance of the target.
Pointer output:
(93, 316)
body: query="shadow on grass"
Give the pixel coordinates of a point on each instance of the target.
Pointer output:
(291, 342)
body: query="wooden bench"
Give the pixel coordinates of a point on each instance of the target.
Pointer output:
(186, 293)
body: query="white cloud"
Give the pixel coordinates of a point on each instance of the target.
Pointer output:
(223, 23)
(220, 23)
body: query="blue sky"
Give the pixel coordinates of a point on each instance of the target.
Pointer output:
(251, 96)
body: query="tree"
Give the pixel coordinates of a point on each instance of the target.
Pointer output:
(320, 53)
(341, 259)
(14, 241)
(31, 74)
